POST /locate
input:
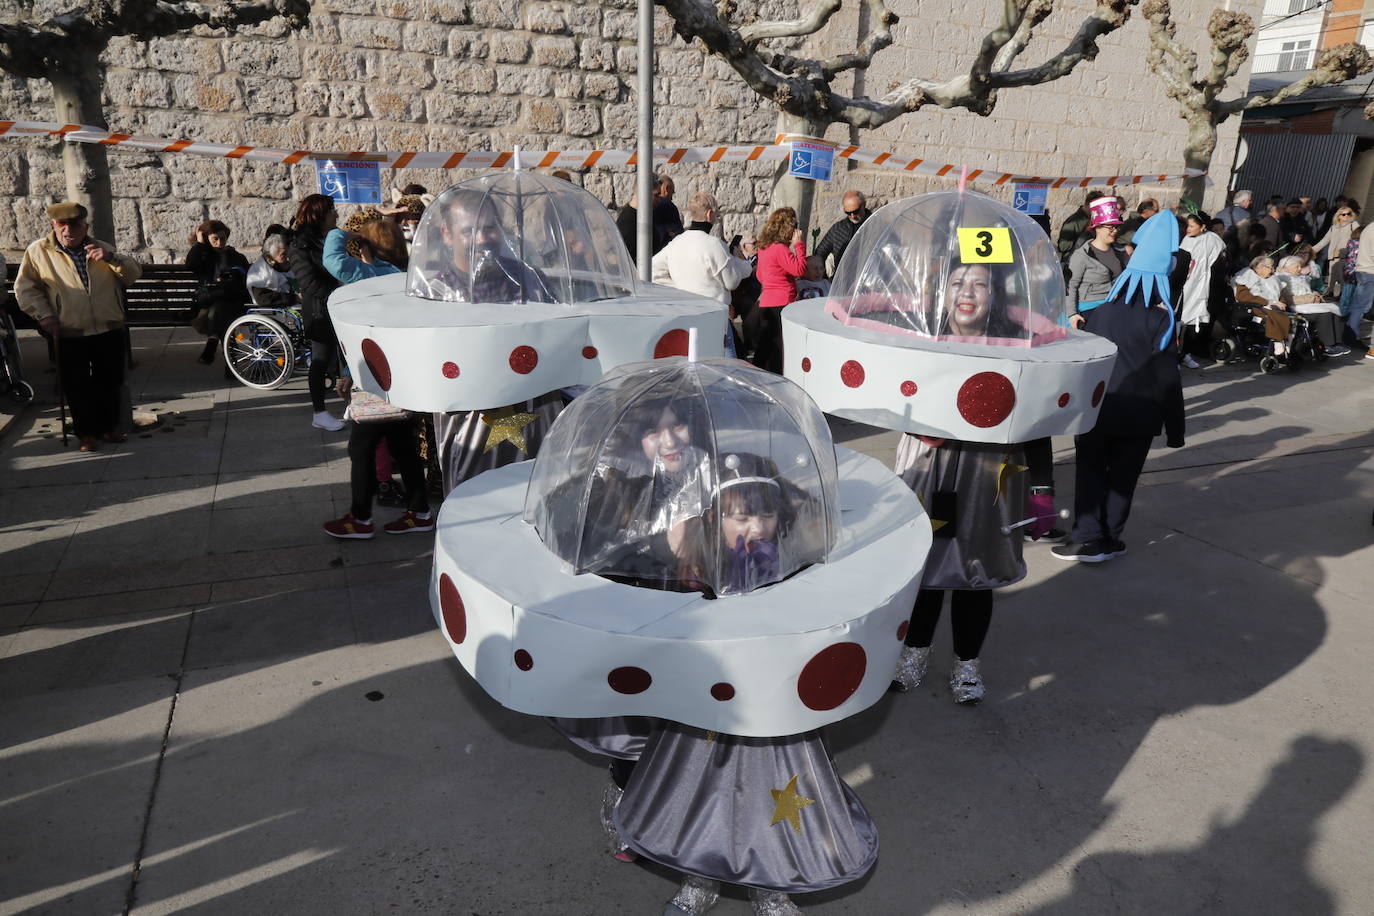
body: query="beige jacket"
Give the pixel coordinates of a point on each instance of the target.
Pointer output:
(49, 285)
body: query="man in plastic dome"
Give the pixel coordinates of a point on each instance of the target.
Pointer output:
(479, 265)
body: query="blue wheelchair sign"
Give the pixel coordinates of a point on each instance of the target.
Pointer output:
(811, 160)
(350, 182)
(1030, 198)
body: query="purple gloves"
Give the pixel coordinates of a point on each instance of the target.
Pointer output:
(750, 569)
(1041, 506)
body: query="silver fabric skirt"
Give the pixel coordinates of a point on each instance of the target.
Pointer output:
(462, 438)
(984, 487)
(621, 737)
(768, 813)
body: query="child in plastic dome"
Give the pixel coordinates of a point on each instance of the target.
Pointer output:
(972, 492)
(769, 814)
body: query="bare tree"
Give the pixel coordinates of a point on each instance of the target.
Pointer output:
(65, 50)
(1196, 91)
(803, 87)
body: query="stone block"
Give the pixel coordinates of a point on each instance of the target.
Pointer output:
(123, 51)
(544, 17)
(555, 52)
(140, 182)
(395, 104)
(30, 216)
(269, 130)
(260, 179)
(424, 38)
(509, 48)
(448, 12)
(675, 125)
(463, 76)
(312, 98)
(199, 177)
(543, 116)
(622, 25)
(332, 65)
(602, 86)
(619, 120)
(128, 226)
(500, 14)
(262, 58)
(346, 100)
(184, 55)
(267, 95)
(342, 136)
(137, 88)
(469, 45)
(45, 175)
(679, 62)
(169, 223)
(14, 173)
(626, 60)
(354, 7)
(397, 9)
(402, 71)
(402, 138)
(719, 126)
(470, 112)
(197, 93)
(596, 55)
(323, 28)
(370, 33)
(582, 120)
(567, 85)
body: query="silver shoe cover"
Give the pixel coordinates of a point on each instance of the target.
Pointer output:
(772, 903)
(696, 896)
(609, 800)
(966, 681)
(911, 667)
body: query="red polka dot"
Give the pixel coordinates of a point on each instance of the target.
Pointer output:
(901, 630)
(806, 364)
(450, 370)
(674, 343)
(376, 363)
(723, 691)
(523, 660)
(851, 373)
(629, 680)
(1100, 390)
(1064, 399)
(524, 359)
(832, 676)
(589, 352)
(451, 608)
(908, 388)
(986, 399)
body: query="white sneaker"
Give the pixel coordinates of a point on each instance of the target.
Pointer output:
(1189, 362)
(326, 420)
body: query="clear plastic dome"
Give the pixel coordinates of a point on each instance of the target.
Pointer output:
(518, 237)
(706, 475)
(952, 265)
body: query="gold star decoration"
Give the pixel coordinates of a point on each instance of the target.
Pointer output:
(1005, 470)
(506, 426)
(788, 805)
(935, 524)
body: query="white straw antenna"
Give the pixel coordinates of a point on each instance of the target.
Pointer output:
(691, 345)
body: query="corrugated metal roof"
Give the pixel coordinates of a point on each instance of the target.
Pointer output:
(1296, 165)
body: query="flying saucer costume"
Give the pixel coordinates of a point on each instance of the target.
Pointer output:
(946, 321)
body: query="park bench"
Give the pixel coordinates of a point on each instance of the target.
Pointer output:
(162, 296)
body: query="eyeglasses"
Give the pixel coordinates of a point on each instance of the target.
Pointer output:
(854, 213)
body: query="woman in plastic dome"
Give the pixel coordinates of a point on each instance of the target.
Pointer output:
(696, 801)
(972, 490)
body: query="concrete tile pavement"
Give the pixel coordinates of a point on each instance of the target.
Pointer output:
(1187, 728)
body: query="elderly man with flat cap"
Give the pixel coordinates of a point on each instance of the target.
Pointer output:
(70, 283)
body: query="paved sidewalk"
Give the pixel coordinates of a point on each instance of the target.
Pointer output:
(208, 706)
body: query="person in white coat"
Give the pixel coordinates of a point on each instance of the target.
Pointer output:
(1206, 249)
(698, 262)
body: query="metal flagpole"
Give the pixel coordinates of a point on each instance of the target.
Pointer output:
(644, 171)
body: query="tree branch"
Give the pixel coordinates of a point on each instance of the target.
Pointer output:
(1109, 16)
(1335, 65)
(812, 21)
(30, 52)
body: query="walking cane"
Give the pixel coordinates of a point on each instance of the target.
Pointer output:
(61, 392)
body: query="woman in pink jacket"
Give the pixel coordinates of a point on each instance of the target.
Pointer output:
(779, 266)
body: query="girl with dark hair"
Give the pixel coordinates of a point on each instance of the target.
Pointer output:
(222, 273)
(314, 218)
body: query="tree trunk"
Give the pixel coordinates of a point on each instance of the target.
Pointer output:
(1197, 154)
(76, 93)
(797, 193)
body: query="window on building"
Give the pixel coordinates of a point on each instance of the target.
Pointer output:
(1367, 33)
(1302, 6)
(1295, 55)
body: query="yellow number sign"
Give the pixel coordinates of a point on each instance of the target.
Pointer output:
(985, 246)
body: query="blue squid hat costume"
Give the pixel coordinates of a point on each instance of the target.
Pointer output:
(1148, 270)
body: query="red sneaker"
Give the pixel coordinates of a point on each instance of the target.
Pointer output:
(408, 523)
(349, 528)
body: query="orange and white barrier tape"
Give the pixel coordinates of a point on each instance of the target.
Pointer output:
(567, 159)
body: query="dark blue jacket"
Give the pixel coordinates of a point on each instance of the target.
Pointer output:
(1145, 392)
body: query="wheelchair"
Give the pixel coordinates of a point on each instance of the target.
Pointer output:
(266, 346)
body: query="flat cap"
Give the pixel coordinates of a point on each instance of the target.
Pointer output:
(66, 210)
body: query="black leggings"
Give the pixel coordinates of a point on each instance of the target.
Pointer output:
(970, 614)
(763, 327)
(362, 456)
(323, 355)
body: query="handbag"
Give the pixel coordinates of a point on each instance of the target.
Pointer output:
(364, 407)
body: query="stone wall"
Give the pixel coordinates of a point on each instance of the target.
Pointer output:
(481, 74)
